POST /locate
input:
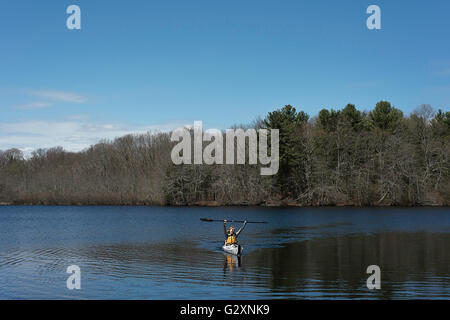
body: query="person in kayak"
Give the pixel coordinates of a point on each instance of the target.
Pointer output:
(230, 234)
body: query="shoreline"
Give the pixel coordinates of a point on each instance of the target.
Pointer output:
(215, 205)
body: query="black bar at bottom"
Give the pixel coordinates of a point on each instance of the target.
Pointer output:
(227, 309)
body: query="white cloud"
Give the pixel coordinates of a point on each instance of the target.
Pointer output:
(48, 98)
(71, 135)
(34, 105)
(62, 96)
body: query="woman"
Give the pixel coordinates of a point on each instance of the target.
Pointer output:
(230, 234)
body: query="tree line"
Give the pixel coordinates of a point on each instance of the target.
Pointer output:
(340, 157)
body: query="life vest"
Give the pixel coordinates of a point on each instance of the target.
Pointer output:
(231, 239)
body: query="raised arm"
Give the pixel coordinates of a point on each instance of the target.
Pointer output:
(225, 227)
(242, 228)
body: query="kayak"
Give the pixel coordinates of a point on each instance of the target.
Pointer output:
(235, 249)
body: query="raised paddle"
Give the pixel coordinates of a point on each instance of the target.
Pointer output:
(215, 220)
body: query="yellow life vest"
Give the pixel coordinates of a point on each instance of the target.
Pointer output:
(231, 239)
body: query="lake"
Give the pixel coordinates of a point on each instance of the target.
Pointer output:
(168, 253)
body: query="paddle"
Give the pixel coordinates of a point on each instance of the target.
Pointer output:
(213, 220)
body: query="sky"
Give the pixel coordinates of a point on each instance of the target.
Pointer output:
(156, 65)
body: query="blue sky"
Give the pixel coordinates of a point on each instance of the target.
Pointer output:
(143, 65)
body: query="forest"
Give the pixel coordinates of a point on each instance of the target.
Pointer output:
(342, 157)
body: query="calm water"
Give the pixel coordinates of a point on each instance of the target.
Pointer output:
(168, 253)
